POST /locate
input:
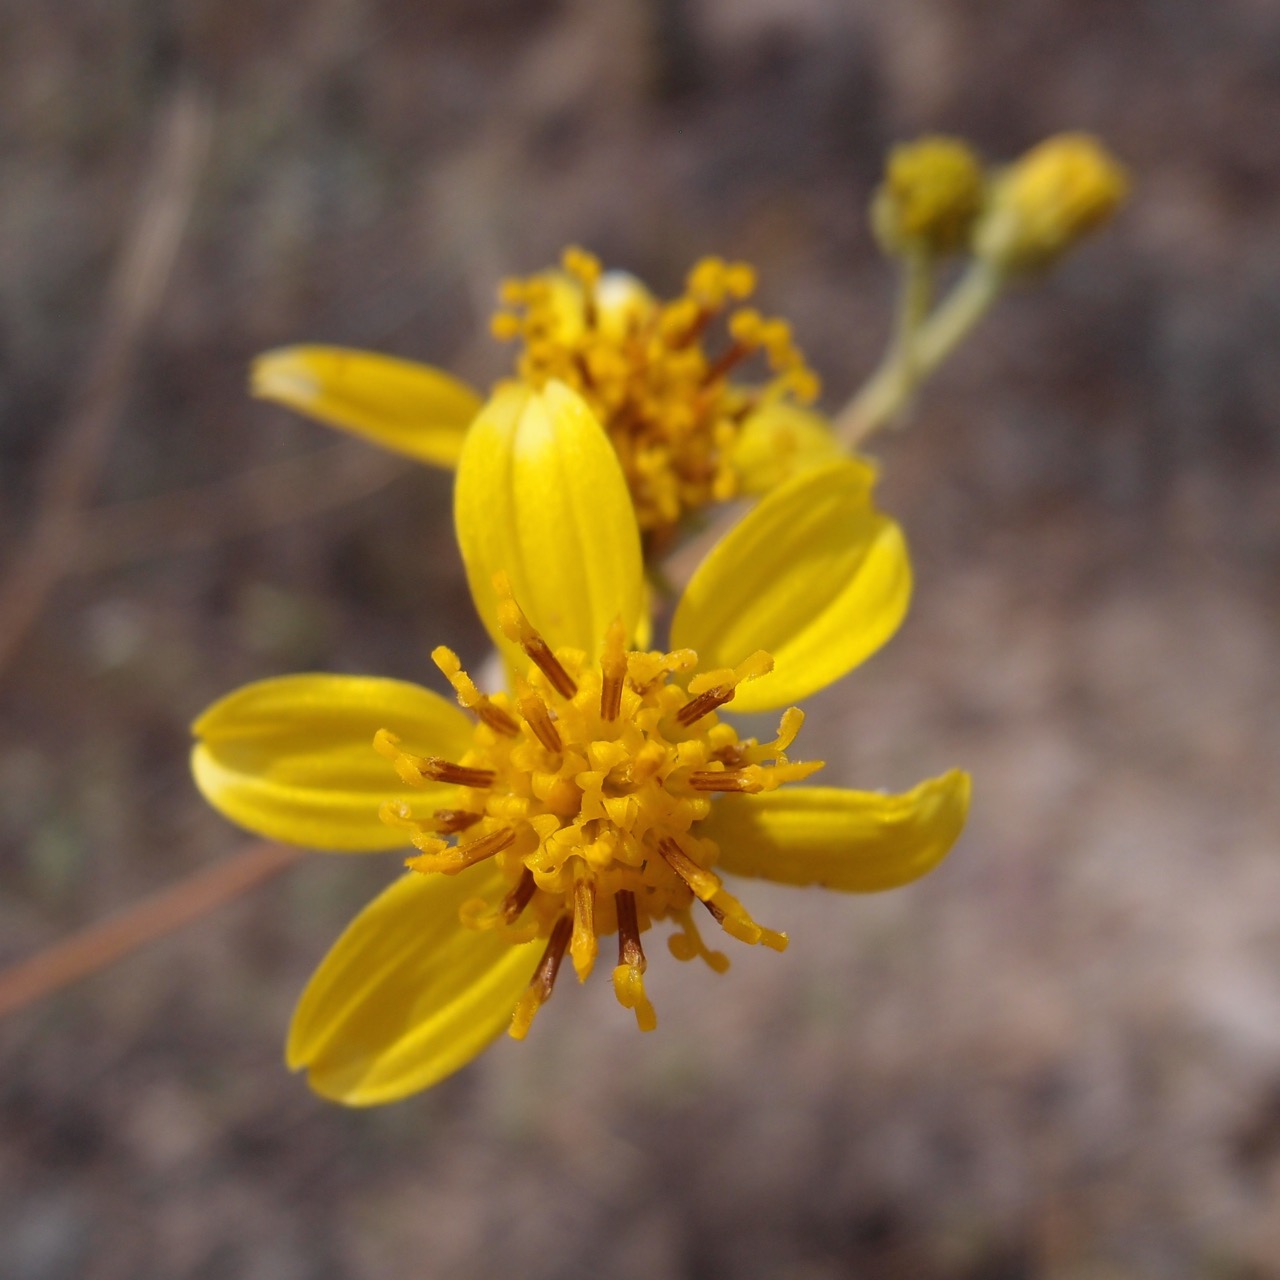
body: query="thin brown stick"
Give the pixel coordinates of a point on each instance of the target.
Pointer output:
(142, 271)
(102, 944)
(264, 497)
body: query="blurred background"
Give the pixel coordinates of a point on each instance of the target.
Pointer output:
(1059, 1055)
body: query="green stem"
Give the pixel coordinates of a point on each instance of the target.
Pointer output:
(908, 363)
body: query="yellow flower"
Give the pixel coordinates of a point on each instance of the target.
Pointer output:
(931, 195)
(603, 794)
(1060, 191)
(686, 434)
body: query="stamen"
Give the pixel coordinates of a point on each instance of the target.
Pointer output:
(713, 689)
(744, 780)
(628, 976)
(585, 944)
(537, 716)
(519, 897)
(415, 770)
(613, 665)
(438, 857)
(539, 989)
(704, 884)
(469, 696)
(451, 821)
(732, 917)
(518, 629)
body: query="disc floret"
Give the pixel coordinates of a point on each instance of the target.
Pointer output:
(656, 374)
(585, 785)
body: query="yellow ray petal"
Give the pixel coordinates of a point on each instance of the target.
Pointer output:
(292, 758)
(813, 574)
(407, 995)
(855, 841)
(407, 407)
(779, 441)
(541, 496)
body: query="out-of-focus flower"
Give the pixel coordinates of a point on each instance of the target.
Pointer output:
(603, 794)
(930, 197)
(1047, 201)
(656, 374)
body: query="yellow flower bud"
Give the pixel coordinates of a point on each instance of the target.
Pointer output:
(1053, 196)
(931, 195)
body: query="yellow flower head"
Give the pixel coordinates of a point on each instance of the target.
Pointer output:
(1052, 197)
(602, 795)
(658, 375)
(930, 197)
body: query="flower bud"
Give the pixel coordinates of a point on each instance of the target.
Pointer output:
(931, 195)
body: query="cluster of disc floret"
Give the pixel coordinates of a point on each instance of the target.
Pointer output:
(648, 372)
(585, 785)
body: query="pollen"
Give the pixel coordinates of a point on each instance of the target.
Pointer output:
(585, 788)
(657, 374)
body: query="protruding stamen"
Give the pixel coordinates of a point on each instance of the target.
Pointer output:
(613, 665)
(451, 821)
(714, 688)
(537, 715)
(705, 884)
(469, 696)
(732, 917)
(519, 897)
(585, 944)
(415, 770)
(518, 629)
(449, 861)
(538, 992)
(628, 976)
(745, 780)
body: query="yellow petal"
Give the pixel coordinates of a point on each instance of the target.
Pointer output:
(779, 441)
(855, 841)
(813, 574)
(407, 995)
(407, 407)
(541, 496)
(292, 758)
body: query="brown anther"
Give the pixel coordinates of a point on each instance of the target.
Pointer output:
(435, 769)
(519, 897)
(699, 706)
(450, 821)
(732, 756)
(517, 628)
(497, 719)
(544, 976)
(725, 780)
(731, 358)
(703, 883)
(613, 666)
(538, 717)
(630, 950)
(484, 847)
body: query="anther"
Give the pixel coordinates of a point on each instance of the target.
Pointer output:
(517, 628)
(538, 992)
(450, 821)
(703, 883)
(585, 944)
(613, 665)
(714, 688)
(434, 769)
(519, 897)
(743, 780)
(538, 717)
(451, 861)
(469, 696)
(628, 976)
